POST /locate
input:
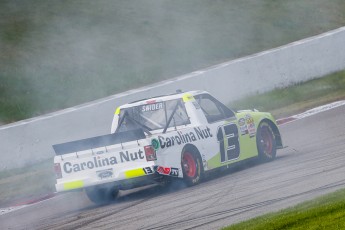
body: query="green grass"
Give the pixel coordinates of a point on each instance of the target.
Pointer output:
(326, 212)
(62, 53)
(18, 185)
(39, 179)
(297, 98)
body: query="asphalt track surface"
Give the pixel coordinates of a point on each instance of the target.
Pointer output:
(312, 165)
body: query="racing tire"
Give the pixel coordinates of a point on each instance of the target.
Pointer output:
(266, 143)
(101, 195)
(192, 168)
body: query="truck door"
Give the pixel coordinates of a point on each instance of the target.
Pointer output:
(223, 124)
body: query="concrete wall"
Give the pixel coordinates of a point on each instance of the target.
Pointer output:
(30, 140)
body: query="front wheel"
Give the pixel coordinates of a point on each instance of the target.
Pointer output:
(266, 142)
(192, 168)
(101, 195)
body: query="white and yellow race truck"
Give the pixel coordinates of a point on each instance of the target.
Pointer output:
(183, 135)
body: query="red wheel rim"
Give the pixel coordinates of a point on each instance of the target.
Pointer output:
(267, 140)
(189, 164)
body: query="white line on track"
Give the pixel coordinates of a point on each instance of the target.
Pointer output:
(11, 209)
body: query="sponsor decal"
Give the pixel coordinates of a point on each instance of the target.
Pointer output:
(183, 138)
(103, 174)
(155, 144)
(126, 156)
(98, 162)
(243, 126)
(250, 125)
(148, 170)
(168, 171)
(174, 172)
(163, 170)
(152, 107)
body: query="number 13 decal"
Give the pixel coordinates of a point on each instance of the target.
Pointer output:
(227, 136)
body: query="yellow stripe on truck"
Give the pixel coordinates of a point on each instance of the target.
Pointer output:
(117, 111)
(73, 185)
(134, 173)
(187, 97)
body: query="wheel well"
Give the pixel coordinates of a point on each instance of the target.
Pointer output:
(276, 132)
(199, 173)
(191, 148)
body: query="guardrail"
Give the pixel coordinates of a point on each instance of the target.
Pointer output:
(31, 140)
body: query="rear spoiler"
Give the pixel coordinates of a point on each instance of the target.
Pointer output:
(99, 141)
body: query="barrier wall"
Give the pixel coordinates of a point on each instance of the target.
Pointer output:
(30, 141)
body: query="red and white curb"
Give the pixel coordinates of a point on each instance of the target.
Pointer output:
(24, 204)
(311, 112)
(280, 121)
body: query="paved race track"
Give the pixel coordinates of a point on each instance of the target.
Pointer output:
(312, 165)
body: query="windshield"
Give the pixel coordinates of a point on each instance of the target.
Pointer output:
(153, 116)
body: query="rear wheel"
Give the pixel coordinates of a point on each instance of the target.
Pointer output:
(266, 142)
(101, 195)
(192, 168)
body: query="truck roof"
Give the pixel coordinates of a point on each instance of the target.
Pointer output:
(178, 95)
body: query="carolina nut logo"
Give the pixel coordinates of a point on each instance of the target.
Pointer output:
(155, 144)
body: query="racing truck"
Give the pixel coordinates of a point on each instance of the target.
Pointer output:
(183, 136)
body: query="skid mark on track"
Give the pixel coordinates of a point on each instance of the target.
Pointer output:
(216, 216)
(84, 220)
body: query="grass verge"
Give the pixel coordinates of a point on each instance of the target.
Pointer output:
(297, 98)
(17, 185)
(39, 179)
(326, 212)
(59, 54)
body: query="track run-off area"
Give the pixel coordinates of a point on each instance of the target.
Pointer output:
(313, 164)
